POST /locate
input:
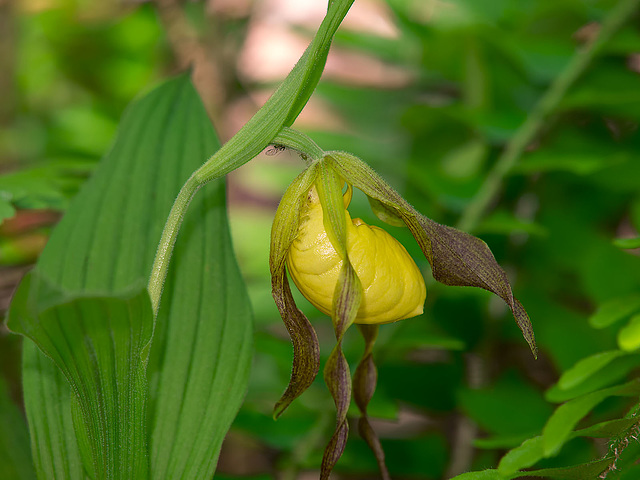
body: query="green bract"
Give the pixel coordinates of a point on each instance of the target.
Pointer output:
(456, 258)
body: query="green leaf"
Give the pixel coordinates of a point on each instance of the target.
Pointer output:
(466, 160)
(100, 344)
(558, 429)
(580, 163)
(523, 456)
(572, 150)
(504, 223)
(615, 372)
(15, 459)
(629, 335)
(532, 450)
(492, 408)
(627, 243)
(630, 473)
(484, 475)
(6, 208)
(106, 242)
(499, 442)
(577, 472)
(47, 398)
(203, 338)
(586, 367)
(47, 184)
(612, 428)
(615, 310)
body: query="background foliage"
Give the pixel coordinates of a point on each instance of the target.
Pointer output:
(438, 99)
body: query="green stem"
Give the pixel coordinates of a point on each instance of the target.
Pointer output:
(545, 106)
(298, 141)
(279, 112)
(168, 239)
(287, 137)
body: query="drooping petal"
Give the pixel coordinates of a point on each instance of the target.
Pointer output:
(306, 351)
(338, 380)
(456, 257)
(364, 385)
(346, 302)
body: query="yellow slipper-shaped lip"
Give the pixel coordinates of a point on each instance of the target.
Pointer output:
(393, 287)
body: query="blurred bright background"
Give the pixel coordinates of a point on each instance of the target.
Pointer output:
(428, 92)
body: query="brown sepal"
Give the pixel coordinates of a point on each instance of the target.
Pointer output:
(456, 257)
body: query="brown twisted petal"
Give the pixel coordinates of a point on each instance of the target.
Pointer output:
(306, 351)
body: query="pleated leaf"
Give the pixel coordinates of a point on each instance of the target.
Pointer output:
(15, 458)
(106, 242)
(47, 398)
(100, 344)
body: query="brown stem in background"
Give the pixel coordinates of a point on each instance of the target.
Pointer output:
(191, 52)
(7, 59)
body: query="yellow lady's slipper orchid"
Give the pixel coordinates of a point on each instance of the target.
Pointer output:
(358, 273)
(393, 287)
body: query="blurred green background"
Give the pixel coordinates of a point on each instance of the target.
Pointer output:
(428, 92)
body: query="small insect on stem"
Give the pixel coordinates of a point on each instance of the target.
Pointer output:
(274, 150)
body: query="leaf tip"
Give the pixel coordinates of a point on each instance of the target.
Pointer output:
(278, 409)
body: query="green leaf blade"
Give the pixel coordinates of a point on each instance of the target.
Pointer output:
(615, 310)
(526, 455)
(629, 335)
(106, 242)
(483, 475)
(15, 459)
(576, 472)
(559, 427)
(207, 360)
(48, 407)
(627, 243)
(586, 367)
(98, 343)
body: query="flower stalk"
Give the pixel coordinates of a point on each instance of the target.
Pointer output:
(279, 112)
